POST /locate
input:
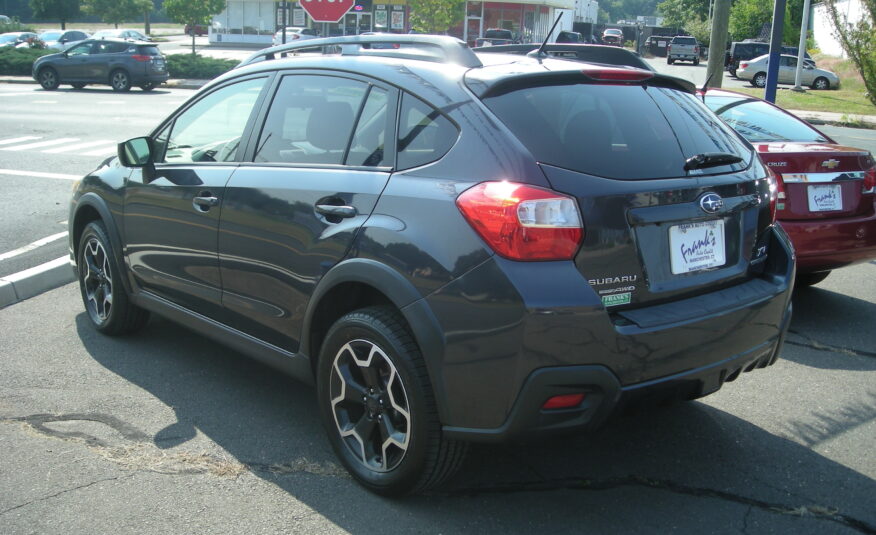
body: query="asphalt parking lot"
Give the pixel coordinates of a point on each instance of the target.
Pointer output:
(167, 432)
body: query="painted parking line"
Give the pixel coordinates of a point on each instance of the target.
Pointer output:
(39, 174)
(41, 144)
(34, 245)
(79, 146)
(18, 140)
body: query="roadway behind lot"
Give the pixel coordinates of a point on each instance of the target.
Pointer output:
(167, 432)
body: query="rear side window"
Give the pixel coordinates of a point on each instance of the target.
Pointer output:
(621, 132)
(149, 51)
(111, 47)
(424, 133)
(758, 121)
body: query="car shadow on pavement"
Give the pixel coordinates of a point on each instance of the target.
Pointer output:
(636, 475)
(836, 327)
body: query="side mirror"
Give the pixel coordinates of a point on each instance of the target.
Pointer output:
(138, 153)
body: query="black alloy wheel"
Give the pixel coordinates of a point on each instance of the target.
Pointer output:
(120, 80)
(377, 405)
(48, 78)
(100, 284)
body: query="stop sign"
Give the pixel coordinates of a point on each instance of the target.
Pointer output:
(326, 10)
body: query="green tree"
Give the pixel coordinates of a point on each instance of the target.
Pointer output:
(700, 29)
(193, 12)
(858, 40)
(62, 10)
(435, 16)
(747, 18)
(116, 11)
(680, 13)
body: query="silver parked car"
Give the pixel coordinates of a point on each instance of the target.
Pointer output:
(755, 71)
(121, 33)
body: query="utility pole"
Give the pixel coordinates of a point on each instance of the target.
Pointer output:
(801, 48)
(717, 43)
(769, 93)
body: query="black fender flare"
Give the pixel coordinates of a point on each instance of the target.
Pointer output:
(425, 328)
(96, 202)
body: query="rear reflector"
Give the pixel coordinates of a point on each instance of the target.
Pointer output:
(609, 74)
(565, 401)
(523, 222)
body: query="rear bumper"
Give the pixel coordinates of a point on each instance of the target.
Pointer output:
(832, 243)
(503, 359)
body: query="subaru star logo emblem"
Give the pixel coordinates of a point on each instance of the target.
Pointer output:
(830, 164)
(711, 203)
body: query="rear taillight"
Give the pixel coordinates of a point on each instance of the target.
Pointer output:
(614, 74)
(141, 57)
(743, 65)
(870, 180)
(696, 50)
(523, 222)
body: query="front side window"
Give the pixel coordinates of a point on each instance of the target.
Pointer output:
(210, 130)
(311, 121)
(80, 50)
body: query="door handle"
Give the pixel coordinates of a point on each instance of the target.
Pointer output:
(203, 204)
(337, 211)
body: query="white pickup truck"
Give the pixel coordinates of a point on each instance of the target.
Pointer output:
(683, 48)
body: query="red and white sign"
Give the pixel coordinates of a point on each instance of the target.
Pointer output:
(326, 10)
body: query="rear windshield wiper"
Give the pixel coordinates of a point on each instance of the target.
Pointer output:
(710, 159)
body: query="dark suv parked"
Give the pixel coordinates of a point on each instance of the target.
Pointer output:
(452, 247)
(117, 62)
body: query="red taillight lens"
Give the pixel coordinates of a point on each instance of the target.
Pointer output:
(565, 401)
(777, 193)
(141, 57)
(609, 74)
(870, 180)
(743, 65)
(523, 222)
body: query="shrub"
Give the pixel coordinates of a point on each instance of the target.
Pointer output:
(18, 61)
(197, 66)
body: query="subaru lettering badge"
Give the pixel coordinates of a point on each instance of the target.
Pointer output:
(830, 164)
(711, 203)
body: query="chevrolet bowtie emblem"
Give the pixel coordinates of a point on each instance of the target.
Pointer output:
(830, 164)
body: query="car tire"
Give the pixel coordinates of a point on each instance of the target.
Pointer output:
(810, 279)
(148, 86)
(820, 83)
(78, 85)
(120, 80)
(696, 62)
(371, 353)
(100, 283)
(759, 80)
(732, 71)
(48, 78)
(669, 61)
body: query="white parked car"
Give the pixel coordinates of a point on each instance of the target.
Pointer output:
(293, 34)
(121, 33)
(755, 71)
(62, 39)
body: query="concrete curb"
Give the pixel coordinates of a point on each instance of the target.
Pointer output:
(36, 280)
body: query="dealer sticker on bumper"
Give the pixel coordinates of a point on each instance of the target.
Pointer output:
(696, 246)
(616, 299)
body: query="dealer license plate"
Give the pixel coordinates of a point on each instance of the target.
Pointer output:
(696, 246)
(825, 198)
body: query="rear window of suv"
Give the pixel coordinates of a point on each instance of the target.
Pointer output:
(684, 41)
(615, 131)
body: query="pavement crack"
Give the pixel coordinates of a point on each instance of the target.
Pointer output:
(816, 511)
(65, 491)
(815, 344)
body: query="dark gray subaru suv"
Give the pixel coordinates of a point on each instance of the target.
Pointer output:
(452, 248)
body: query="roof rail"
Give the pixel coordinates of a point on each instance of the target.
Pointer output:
(434, 48)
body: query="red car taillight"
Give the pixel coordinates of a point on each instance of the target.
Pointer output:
(141, 57)
(523, 222)
(743, 65)
(870, 180)
(777, 193)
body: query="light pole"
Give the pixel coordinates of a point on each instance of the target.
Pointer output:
(801, 48)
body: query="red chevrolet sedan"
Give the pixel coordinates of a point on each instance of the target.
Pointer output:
(825, 198)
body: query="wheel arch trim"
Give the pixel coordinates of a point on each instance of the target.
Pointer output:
(94, 201)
